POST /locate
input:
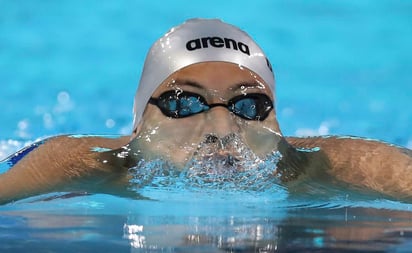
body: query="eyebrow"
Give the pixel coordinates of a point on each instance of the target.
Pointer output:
(188, 82)
(235, 86)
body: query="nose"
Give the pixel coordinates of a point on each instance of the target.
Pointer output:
(221, 122)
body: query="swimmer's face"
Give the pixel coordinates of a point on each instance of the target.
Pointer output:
(178, 139)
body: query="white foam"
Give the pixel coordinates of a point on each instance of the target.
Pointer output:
(237, 170)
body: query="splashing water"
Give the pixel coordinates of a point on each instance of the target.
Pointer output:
(218, 164)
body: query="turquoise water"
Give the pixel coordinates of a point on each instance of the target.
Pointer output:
(73, 67)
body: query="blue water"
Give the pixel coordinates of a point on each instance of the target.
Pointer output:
(73, 67)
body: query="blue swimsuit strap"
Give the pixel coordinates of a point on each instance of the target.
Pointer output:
(15, 158)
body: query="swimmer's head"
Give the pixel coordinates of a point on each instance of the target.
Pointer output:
(196, 41)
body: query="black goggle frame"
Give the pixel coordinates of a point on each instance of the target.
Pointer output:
(181, 104)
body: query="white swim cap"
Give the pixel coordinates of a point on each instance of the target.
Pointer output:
(195, 41)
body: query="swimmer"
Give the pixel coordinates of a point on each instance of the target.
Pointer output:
(206, 95)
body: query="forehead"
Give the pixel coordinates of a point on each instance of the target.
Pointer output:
(216, 76)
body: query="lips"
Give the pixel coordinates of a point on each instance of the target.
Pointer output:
(218, 164)
(221, 156)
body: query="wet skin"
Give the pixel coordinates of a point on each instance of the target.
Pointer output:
(67, 163)
(217, 83)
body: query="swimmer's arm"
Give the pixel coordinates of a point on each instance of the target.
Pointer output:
(379, 166)
(61, 163)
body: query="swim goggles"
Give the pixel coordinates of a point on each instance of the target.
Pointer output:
(181, 104)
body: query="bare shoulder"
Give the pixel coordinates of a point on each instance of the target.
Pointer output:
(378, 165)
(86, 141)
(349, 144)
(61, 163)
(66, 149)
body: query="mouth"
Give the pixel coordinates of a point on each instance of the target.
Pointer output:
(221, 155)
(217, 164)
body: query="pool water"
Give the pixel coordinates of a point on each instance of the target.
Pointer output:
(73, 67)
(176, 221)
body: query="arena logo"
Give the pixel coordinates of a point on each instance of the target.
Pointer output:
(218, 42)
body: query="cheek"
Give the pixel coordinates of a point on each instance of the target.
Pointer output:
(177, 132)
(261, 137)
(173, 139)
